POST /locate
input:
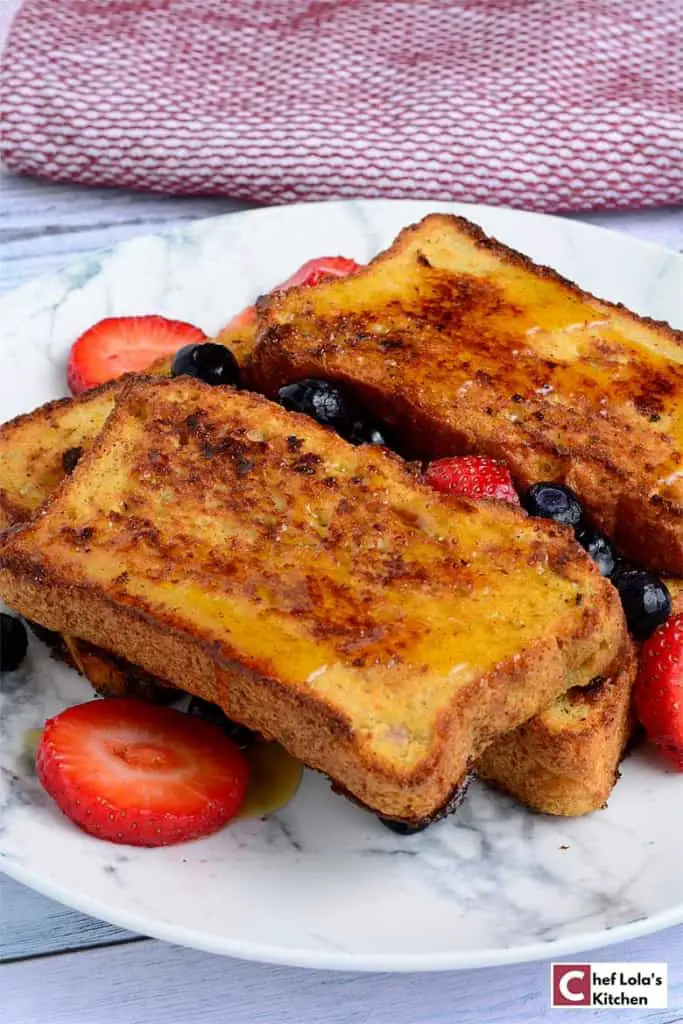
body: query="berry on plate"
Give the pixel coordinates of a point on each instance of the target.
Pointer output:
(554, 501)
(125, 344)
(645, 599)
(13, 642)
(331, 406)
(599, 548)
(243, 321)
(214, 364)
(308, 275)
(322, 269)
(239, 734)
(658, 692)
(472, 476)
(141, 774)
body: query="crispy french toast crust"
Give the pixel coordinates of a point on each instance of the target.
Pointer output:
(33, 444)
(37, 449)
(408, 828)
(313, 731)
(109, 675)
(207, 448)
(565, 760)
(462, 345)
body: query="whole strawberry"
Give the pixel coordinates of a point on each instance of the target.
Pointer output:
(472, 476)
(658, 693)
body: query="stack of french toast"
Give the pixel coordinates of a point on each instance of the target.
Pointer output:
(168, 535)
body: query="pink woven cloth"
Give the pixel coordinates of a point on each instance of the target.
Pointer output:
(543, 104)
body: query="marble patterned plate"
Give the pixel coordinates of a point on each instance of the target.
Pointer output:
(323, 884)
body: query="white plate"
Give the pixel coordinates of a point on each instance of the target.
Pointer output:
(323, 884)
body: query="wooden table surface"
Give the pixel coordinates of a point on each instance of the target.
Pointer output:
(59, 967)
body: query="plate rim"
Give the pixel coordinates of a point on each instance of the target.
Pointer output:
(337, 959)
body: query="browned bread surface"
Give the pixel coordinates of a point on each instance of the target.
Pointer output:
(463, 345)
(33, 448)
(318, 592)
(37, 449)
(565, 760)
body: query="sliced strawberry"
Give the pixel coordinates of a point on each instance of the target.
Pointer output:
(322, 269)
(141, 774)
(308, 275)
(125, 344)
(244, 321)
(658, 692)
(472, 476)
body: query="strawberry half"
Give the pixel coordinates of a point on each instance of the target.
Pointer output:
(658, 691)
(125, 344)
(308, 275)
(140, 774)
(472, 476)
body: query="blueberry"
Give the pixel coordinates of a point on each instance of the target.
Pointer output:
(13, 642)
(212, 363)
(324, 402)
(330, 406)
(366, 433)
(209, 712)
(645, 599)
(599, 548)
(554, 501)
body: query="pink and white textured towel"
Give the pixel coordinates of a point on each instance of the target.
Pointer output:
(544, 104)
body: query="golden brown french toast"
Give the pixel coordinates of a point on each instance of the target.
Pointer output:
(462, 345)
(319, 593)
(32, 452)
(565, 760)
(31, 464)
(37, 450)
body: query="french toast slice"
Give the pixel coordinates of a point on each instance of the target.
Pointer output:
(565, 760)
(31, 464)
(37, 450)
(319, 593)
(40, 447)
(461, 344)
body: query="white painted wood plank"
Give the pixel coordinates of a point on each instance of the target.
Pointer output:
(157, 984)
(44, 225)
(31, 925)
(662, 226)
